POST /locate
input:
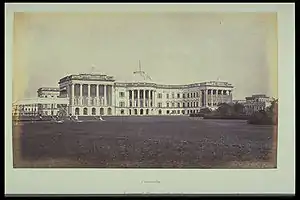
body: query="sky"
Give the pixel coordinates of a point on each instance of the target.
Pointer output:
(174, 48)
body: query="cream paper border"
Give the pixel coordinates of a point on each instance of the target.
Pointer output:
(120, 181)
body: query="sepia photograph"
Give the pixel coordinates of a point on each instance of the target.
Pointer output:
(170, 90)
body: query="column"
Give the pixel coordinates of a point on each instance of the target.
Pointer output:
(154, 98)
(211, 97)
(144, 98)
(97, 95)
(230, 95)
(80, 94)
(73, 94)
(104, 95)
(149, 99)
(89, 94)
(206, 93)
(132, 98)
(217, 101)
(138, 98)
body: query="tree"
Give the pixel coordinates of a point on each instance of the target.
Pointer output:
(238, 108)
(225, 109)
(205, 111)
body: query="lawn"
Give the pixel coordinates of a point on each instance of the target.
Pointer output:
(145, 142)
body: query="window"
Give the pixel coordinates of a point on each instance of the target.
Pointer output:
(101, 111)
(197, 104)
(178, 105)
(183, 96)
(182, 112)
(109, 111)
(168, 111)
(173, 104)
(188, 95)
(122, 94)
(135, 111)
(167, 96)
(173, 95)
(93, 111)
(159, 95)
(183, 105)
(159, 105)
(159, 112)
(122, 111)
(76, 111)
(147, 112)
(188, 104)
(167, 104)
(178, 111)
(178, 95)
(85, 111)
(122, 104)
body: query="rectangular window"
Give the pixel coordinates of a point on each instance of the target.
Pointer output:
(122, 94)
(159, 105)
(167, 96)
(178, 95)
(167, 104)
(159, 95)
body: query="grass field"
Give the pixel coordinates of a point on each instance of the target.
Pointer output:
(145, 142)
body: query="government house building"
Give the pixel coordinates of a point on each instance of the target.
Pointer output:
(98, 94)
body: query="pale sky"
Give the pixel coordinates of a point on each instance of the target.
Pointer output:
(174, 48)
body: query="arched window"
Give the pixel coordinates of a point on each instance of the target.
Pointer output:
(101, 111)
(93, 111)
(85, 111)
(109, 111)
(159, 112)
(129, 111)
(76, 111)
(122, 111)
(168, 111)
(141, 112)
(147, 111)
(135, 111)
(182, 112)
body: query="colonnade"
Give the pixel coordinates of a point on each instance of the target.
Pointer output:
(141, 98)
(91, 94)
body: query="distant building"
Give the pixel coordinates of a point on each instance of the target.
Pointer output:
(46, 103)
(256, 103)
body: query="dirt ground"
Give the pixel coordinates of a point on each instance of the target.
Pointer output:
(145, 142)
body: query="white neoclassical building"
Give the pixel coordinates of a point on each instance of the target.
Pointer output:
(98, 94)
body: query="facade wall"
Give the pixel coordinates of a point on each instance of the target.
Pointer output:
(98, 95)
